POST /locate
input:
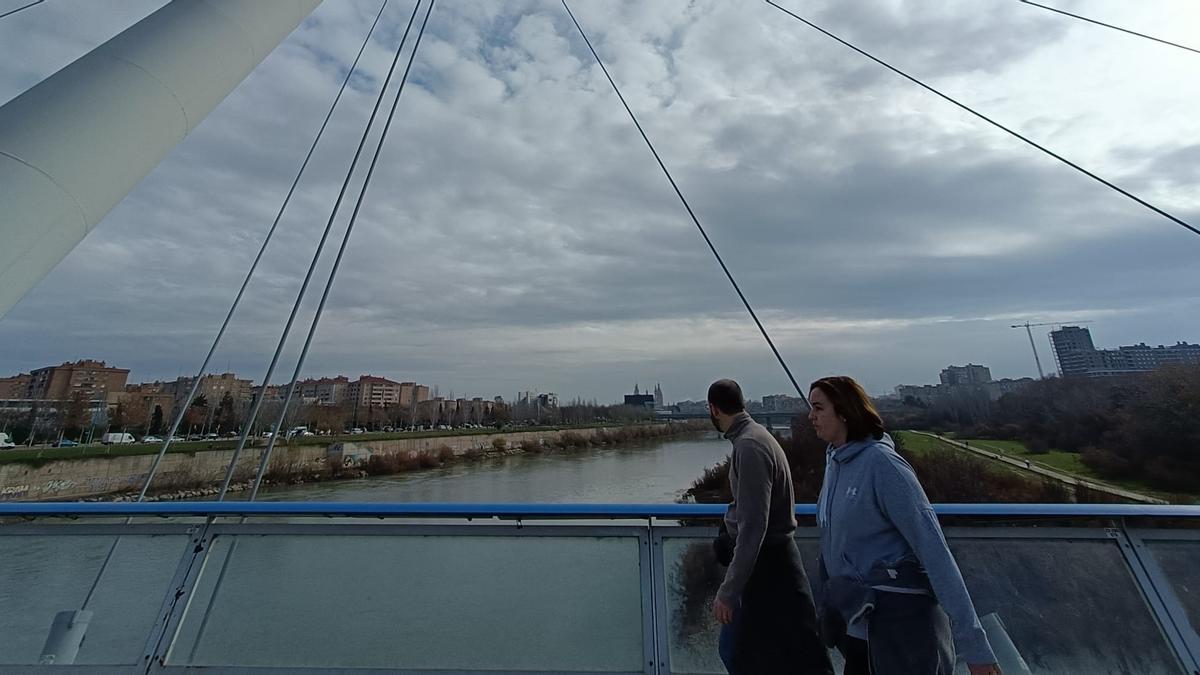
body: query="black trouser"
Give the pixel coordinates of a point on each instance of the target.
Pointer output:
(777, 625)
(907, 635)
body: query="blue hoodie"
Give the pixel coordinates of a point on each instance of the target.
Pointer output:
(873, 513)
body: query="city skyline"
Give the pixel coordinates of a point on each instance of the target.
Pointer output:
(519, 236)
(949, 375)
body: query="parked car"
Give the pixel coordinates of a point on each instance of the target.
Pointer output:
(65, 443)
(299, 431)
(178, 439)
(358, 430)
(117, 439)
(151, 439)
(6, 442)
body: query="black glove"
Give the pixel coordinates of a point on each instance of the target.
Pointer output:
(723, 546)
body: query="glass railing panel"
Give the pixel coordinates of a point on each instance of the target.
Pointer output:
(692, 576)
(1071, 606)
(43, 575)
(1180, 561)
(523, 602)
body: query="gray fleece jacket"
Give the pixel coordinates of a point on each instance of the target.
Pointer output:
(873, 513)
(764, 506)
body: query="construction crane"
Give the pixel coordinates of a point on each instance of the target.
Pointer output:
(1028, 326)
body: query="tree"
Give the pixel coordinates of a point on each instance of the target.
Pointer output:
(120, 416)
(502, 414)
(1157, 431)
(156, 420)
(197, 413)
(225, 417)
(329, 418)
(77, 416)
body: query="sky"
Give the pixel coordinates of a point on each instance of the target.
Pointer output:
(518, 234)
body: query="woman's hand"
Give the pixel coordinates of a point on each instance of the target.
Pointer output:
(724, 612)
(984, 668)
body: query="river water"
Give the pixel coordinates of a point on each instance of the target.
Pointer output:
(634, 473)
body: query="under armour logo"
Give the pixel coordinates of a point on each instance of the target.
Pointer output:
(852, 492)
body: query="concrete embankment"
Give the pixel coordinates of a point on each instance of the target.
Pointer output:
(198, 473)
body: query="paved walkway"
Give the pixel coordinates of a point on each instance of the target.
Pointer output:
(995, 455)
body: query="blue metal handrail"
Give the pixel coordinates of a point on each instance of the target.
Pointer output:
(541, 511)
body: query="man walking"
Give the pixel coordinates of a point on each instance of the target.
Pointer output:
(764, 604)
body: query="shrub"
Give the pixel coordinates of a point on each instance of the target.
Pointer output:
(382, 465)
(571, 439)
(282, 470)
(500, 444)
(1106, 462)
(712, 487)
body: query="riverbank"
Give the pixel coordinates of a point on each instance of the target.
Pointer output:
(37, 456)
(196, 475)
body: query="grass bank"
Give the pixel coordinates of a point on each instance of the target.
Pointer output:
(1069, 463)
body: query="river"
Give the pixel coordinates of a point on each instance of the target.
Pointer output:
(634, 473)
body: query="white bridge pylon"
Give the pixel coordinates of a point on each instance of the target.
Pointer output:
(72, 146)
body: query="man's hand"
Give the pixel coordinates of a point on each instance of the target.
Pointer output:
(724, 613)
(984, 668)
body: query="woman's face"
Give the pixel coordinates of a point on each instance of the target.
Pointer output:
(829, 426)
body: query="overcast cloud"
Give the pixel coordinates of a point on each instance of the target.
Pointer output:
(518, 234)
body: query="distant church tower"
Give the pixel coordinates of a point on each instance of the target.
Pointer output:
(658, 396)
(635, 389)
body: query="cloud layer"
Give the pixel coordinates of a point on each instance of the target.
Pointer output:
(519, 235)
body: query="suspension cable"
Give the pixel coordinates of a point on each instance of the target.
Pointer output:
(362, 193)
(14, 11)
(287, 329)
(266, 455)
(1108, 25)
(179, 415)
(992, 122)
(688, 207)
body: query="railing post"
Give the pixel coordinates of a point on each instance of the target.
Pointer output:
(179, 596)
(1155, 588)
(650, 610)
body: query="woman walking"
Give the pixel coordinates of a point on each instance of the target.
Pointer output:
(892, 597)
